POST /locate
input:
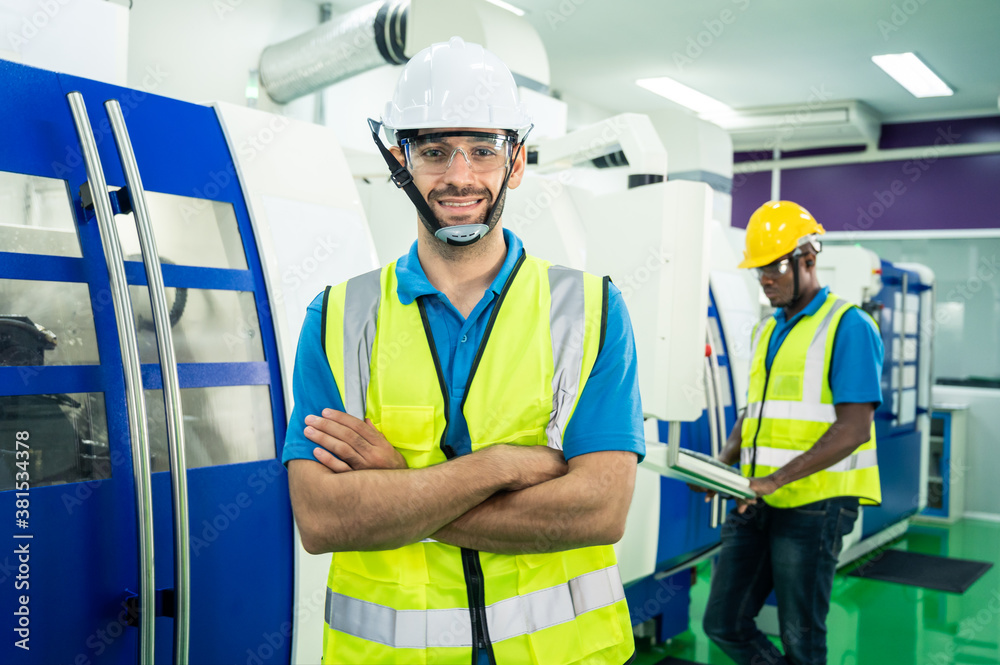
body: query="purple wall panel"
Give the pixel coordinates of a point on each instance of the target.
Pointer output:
(946, 193)
(750, 191)
(940, 132)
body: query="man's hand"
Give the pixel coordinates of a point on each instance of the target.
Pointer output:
(354, 444)
(709, 494)
(762, 486)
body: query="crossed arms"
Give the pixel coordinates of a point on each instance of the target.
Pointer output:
(359, 495)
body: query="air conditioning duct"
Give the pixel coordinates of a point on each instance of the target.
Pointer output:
(798, 127)
(390, 32)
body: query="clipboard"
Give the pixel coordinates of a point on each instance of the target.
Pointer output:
(675, 462)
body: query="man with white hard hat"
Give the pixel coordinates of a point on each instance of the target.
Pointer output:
(472, 416)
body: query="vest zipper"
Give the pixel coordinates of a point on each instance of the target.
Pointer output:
(489, 328)
(470, 558)
(760, 418)
(445, 448)
(471, 565)
(474, 585)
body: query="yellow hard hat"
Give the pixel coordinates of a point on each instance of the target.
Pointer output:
(776, 229)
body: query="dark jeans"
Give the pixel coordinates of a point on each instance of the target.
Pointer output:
(791, 550)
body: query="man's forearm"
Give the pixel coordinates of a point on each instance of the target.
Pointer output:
(385, 509)
(731, 452)
(588, 506)
(835, 445)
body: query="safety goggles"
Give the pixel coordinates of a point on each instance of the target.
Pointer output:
(774, 270)
(433, 154)
(781, 266)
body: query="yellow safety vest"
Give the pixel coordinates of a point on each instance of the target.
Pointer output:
(429, 602)
(791, 406)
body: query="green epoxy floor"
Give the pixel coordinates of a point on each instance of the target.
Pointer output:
(881, 623)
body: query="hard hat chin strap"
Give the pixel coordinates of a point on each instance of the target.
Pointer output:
(795, 278)
(403, 179)
(459, 235)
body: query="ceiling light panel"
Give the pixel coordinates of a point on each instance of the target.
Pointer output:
(683, 95)
(910, 72)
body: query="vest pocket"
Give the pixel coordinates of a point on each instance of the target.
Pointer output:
(784, 386)
(410, 429)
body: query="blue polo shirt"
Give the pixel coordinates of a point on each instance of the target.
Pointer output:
(608, 415)
(856, 365)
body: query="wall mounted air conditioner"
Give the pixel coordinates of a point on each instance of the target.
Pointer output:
(803, 126)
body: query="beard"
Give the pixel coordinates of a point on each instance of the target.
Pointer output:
(452, 191)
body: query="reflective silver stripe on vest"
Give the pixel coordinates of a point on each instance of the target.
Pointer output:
(812, 380)
(521, 615)
(361, 301)
(401, 629)
(426, 629)
(811, 407)
(779, 457)
(786, 410)
(566, 321)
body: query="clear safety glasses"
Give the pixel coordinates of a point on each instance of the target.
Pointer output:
(433, 154)
(774, 270)
(782, 265)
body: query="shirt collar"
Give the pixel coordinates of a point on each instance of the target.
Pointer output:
(412, 281)
(809, 310)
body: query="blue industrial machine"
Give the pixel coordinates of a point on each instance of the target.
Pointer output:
(901, 426)
(89, 572)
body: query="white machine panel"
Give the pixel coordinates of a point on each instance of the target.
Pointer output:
(311, 232)
(660, 263)
(737, 298)
(852, 272)
(542, 213)
(636, 551)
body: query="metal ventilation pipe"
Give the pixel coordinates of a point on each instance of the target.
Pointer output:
(360, 40)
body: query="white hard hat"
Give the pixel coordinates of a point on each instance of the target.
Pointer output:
(454, 84)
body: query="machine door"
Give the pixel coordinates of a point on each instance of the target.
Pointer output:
(66, 385)
(69, 571)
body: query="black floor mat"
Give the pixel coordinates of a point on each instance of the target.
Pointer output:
(923, 570)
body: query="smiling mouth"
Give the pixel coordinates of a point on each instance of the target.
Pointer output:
(459, 204)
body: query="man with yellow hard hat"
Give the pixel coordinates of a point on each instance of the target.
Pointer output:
(807, 443)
